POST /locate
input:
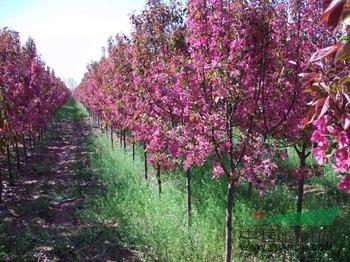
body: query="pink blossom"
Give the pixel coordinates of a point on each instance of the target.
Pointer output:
(345, 184)
(174, 149)
(218, 171)
(320, 155)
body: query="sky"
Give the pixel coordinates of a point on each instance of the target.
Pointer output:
(68, 34)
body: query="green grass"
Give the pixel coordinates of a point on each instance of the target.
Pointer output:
(156, 225)
(71, 110)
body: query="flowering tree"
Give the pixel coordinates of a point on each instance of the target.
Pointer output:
(239, 95)
(29, 93)
(302, 34)
(329, 111)
(153, 46)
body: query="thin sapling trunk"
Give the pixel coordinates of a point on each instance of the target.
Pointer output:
(159, 180)
(145, 161)
(188, 197)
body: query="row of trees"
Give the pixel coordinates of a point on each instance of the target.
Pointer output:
(30, 93)
(218, 78)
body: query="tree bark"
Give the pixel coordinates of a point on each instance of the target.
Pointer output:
(145, 161)
(112, 142)
(121, 139)
(302, 157)
(17, 156)
(1, 187)
(124, 141)
(299, 208)
(24, 149)
(159, 180)
(188, 197)
(230, 201)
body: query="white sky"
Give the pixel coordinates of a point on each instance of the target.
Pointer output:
(68, 33)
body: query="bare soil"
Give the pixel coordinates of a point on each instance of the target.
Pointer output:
(40, 215)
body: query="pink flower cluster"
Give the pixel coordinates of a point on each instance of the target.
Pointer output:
(332, 145)
(345, 184)
(320, 137)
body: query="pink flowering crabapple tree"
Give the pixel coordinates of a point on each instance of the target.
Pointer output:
(29, 92)
(245, 89)
(302, 34)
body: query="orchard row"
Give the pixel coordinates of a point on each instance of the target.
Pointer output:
(230, 80)
(30, 93)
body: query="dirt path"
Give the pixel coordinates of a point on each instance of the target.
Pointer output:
(41, 216)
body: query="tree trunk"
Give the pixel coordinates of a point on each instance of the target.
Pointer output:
(159, 180)
(302, 158)
(230, 201)
(188, 197)
(124, 140)
(17, 157)
(11, 180)
(121, 139)
(298, 228)
(1, 187)
(145, 161)
(106, 126)
(24, 149)
(112, 142)
(133, 151)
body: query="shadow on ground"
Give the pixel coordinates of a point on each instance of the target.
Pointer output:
(41, 216)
